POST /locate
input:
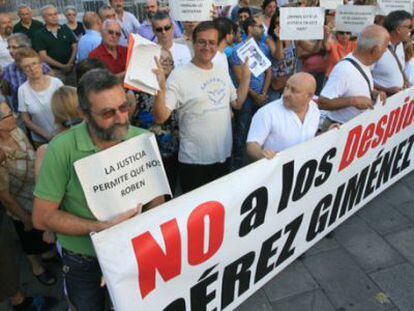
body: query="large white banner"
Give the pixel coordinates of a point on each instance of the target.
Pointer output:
(302, 23)
(214, 247)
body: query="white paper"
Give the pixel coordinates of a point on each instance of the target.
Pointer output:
(387, 6)
(225, 2)
(258, 62)
(117, 179)
(139, 73)
(302, 23)
(354, 18)
(191, 10)
(330, 4)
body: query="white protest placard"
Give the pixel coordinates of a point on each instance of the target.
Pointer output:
(117, 179)
(330, 4)
(258, 62)
(354, 18)
(225, 2)
(302, 23)
(387, 6)
(212, 248)
(191, 10)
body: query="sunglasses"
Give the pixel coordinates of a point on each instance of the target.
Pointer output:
(111, 112)
(161, 29)
(114, 33)
(343, 33)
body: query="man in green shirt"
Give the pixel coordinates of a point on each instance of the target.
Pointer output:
(57, 45)
(60, 204)
(27, 24)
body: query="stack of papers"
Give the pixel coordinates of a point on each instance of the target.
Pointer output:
(139, 75)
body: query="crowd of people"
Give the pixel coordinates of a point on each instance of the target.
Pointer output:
(63, 99)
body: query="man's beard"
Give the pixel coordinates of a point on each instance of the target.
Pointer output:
(115, 133)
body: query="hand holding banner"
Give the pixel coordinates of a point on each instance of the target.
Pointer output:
(302, 23)
(117, 179)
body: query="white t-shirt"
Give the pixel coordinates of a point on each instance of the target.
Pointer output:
(5, 58)
(275, 127)
(38, 105)
(346, 81)
(202, 99)
(386, 72)
(409, 71)
(221, 60)
(181, 54)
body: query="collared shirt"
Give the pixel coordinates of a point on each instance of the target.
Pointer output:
(59, 183)
(31, 31)
(16, 77)
(90, 41)
(5, 57)
(129, 25)
(145, 30)
(386, 72)
(57, 46)
(113, 65)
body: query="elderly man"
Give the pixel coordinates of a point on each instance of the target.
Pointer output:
(60, 203)
(388, 72)
(128, 21)
(349, 90)
(6, 28)
(285, 122)
(56, 45)
(107, 12)
(27, 24)
(109, 51)
(163, 26)
(92, 38)
(146, 30)
(202, 94)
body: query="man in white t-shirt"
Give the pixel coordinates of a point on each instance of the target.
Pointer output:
(226, 38)
(6, 28)
(203, 95)
(348, 92)
(388, 72)
(163, 28)
(286, 122)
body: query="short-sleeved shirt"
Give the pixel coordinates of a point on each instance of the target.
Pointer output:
(275, 127)
(59, 183)
(386, 72)
(57, 46)
(114, 65)
(129, 24)
(31, 31)
(89, 41)
(181, 54)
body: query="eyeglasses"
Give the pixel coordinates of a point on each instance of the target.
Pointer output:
(343, 33)
(114, 33)
(161, 29)
(204, 43)
(407, 26)
(14, 47)
(30, 66)
(111, 112)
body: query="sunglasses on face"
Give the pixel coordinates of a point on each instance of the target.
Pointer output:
(161, 29)
(111, 112)
(114, 33)
(343, 33)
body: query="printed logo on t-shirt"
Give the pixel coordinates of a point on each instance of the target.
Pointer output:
(216, 90)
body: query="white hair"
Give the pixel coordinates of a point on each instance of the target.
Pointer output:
(45, 8)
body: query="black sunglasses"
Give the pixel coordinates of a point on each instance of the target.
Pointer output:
(165, 28)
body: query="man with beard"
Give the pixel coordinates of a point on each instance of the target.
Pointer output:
(60, 203)
(6, 28)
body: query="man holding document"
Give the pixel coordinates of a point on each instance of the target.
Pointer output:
(60, 203)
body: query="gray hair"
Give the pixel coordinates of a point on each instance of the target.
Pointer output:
(22, 39)
(104, 8)
(69, 8)
(47, 7)
(23, 6)
(109, 22)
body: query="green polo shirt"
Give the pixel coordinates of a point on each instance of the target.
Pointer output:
(30, 32)
(59, 183)
(59, 48)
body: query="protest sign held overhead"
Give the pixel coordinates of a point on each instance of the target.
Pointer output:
(330, 4)
(387, 6)
(225, 2)
(117, 179)
(302, 23)
(354, 18)
(182, 255)
(191, 10)
(140, 65)
(258, 62)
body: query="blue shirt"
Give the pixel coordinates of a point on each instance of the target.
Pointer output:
(256, 84)
(89, 41)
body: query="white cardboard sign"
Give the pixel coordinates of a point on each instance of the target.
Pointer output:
(387, 6)
(191, 10)
(117, 179)
(354, 18)
(330, 4)
(258, 62)
(302, 23)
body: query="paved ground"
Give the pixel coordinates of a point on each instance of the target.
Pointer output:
(367, 265)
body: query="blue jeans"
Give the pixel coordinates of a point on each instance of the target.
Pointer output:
(82, 278)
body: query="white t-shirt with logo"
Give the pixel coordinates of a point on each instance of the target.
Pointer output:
(202, 99)
(386, 72)
(38, 106)
(346, 81)
(275, 127)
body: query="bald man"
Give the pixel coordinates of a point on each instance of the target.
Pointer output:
(6, 28)
(286, 122)
(350, 88)
(92, 38)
